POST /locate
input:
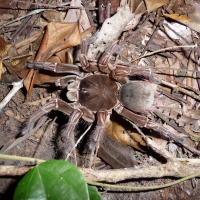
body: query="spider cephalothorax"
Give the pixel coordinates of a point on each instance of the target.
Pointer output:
(95, 91)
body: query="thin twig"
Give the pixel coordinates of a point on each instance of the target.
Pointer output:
(164, 49)
(143, 188)
(78, 142)
(19, 18)
(171, 29)
(177, 88)
(40, 123)
(20, 158)
(150, 40)
(137, 128)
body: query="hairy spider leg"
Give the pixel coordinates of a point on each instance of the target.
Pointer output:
(56, 67)
(122, 71)
(143, 121)
(68, 129)
(104, 64)
(67, 133)
(55, 104)
(97, 135)
(86, 66)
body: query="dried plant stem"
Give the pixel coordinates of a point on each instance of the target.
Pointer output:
(20, 158)
(42, 122)
(166, 49)
(143, 188)
(14, 170)
(81, 137)
(19, 18)
(177, 88)
(150, 41)
(16, 87)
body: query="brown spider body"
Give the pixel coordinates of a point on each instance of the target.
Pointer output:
(95, 92)
(137, 96)
(98, 92)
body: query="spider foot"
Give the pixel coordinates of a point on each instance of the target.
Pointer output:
(67, 135)
(66, 144)
(41, 65)
(96, 137)
(92, 149)
(67, 148)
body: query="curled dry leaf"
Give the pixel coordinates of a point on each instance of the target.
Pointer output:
(3, 52)
(16, 63)
(124, 136)
(73, 15)
(52, 15)
(136, 6)
(116, 154)
(154, 4)
(58, 36)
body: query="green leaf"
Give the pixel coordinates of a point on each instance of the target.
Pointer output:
(93, 193)
(54, 179)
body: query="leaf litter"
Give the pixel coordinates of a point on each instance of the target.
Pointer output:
(52, 33)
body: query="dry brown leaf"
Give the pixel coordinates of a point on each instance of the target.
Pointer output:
(28, 80)
(58, 36)
(181, 7)
(63, 56)
(130, 138)
(14, 65)
(52, 15)
(18, 117)
(73, 15)
(28, 40)
(54, 59)
(3, 48)
(154, 4)
(137, 7)
(1, 68)
(17, 66)
(178, 17)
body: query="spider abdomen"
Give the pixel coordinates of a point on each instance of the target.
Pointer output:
(137, 96)
(98, 92)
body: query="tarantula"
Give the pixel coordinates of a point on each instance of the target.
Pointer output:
(97, 89)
